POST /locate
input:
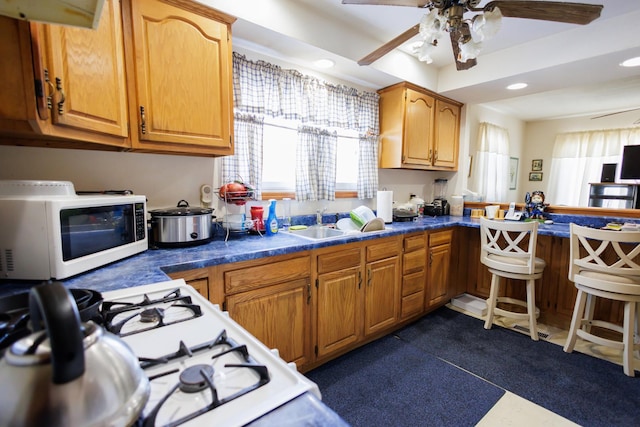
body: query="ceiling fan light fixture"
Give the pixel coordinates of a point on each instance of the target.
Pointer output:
(469, 50)
(486, 25)
(424, 52)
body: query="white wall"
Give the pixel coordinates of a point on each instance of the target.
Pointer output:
(540, 137)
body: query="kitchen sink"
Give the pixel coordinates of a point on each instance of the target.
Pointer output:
(318, 233)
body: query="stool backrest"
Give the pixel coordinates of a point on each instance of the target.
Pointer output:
(604, 251)
(515, 240)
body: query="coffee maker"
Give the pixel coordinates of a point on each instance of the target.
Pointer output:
(440, 204)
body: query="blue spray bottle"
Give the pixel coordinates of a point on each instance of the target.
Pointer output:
(272, 219)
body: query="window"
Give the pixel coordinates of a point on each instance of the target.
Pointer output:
(279, 157)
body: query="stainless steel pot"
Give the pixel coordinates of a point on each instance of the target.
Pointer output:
(70, 374)
(181, 226)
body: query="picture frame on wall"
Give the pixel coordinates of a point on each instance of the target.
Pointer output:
(536, 165)
(535, 176)
(513, 173)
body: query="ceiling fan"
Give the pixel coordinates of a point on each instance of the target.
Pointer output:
(466, 35)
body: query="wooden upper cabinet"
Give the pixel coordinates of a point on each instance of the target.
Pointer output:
(418, 129)
(65, 85)
(86, 71)
(181, 77)
(446, 134)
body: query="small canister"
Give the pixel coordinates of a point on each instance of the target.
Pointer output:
(257, 214)
(457, 205)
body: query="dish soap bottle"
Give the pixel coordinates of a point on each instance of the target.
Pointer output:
(272, 219)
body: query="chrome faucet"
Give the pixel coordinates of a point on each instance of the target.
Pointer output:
(319, 216)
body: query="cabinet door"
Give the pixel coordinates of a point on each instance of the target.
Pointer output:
(439, 263)
(339, 308)
(277, 315)
(86, 67)
(182, 78)
(446, 138)
(418, 130)
(381, 294)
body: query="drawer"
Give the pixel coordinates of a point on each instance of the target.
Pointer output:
(412, 283)
(413, 243)
(385, 249)
(412, 305)
(414, 261)
(339, 260)
(271, 273)
(440, 237)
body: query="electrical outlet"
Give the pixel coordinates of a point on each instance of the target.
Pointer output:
(206, 194)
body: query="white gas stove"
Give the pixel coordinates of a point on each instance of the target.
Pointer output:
(204, 368)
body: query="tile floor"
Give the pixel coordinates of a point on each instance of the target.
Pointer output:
(512, 410)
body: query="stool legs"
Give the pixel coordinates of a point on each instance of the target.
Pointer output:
(531, 309)
(492, 300)
(576, 321)
(628, 328)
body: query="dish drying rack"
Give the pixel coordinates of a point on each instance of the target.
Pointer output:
(232, 200)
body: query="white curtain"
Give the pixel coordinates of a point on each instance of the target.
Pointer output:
(577, 161)
(246, 163)
(316, 164)
(268, 90)
(491, 165)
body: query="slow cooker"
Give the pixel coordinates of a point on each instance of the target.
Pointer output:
(181, 226)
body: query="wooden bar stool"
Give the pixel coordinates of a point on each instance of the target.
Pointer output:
(604, 264)
(509, 250)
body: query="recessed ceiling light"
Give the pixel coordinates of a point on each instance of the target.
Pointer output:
(324, 63)
(517, 86)
(631, 62)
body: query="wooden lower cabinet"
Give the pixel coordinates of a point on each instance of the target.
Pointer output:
(338, 299)
(439, 266)
(382, 287)
(198, 279)
(277, 315)
(358, 291)
(271, 298)
(414, 275)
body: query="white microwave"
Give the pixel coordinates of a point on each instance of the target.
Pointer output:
(47, 231)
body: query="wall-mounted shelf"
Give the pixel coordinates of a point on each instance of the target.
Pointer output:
(614, 196)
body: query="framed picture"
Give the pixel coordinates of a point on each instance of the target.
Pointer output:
(513, 173)
(535, 176)
(536, 165)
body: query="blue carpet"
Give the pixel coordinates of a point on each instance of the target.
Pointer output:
(393, 383)
(584, 389)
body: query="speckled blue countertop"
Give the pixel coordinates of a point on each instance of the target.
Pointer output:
(153, 265)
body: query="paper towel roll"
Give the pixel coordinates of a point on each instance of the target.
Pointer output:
(385, 206)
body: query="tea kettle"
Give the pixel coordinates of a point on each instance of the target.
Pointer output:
(70, 374)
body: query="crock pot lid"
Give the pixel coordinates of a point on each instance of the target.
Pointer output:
(181, 211)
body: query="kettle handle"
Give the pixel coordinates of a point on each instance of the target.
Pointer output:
(52, 303)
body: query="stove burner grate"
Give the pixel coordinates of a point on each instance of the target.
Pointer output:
(200, 377)
(147, 312)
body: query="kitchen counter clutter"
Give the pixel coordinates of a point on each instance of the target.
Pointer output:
(155, 264)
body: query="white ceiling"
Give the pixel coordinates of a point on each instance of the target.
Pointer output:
(571, 70)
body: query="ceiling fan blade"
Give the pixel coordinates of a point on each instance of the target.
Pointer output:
(572, 13)
(389, 46)
(455, 36)
(615, 113)
(410, 3)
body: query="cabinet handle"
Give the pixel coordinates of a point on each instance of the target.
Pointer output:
(63, 99)
(431, 155)
(308, 293)
(359, 279)
(52, 89)
(435, 156)
(430, 259)
(143, 121)
(369, 277)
